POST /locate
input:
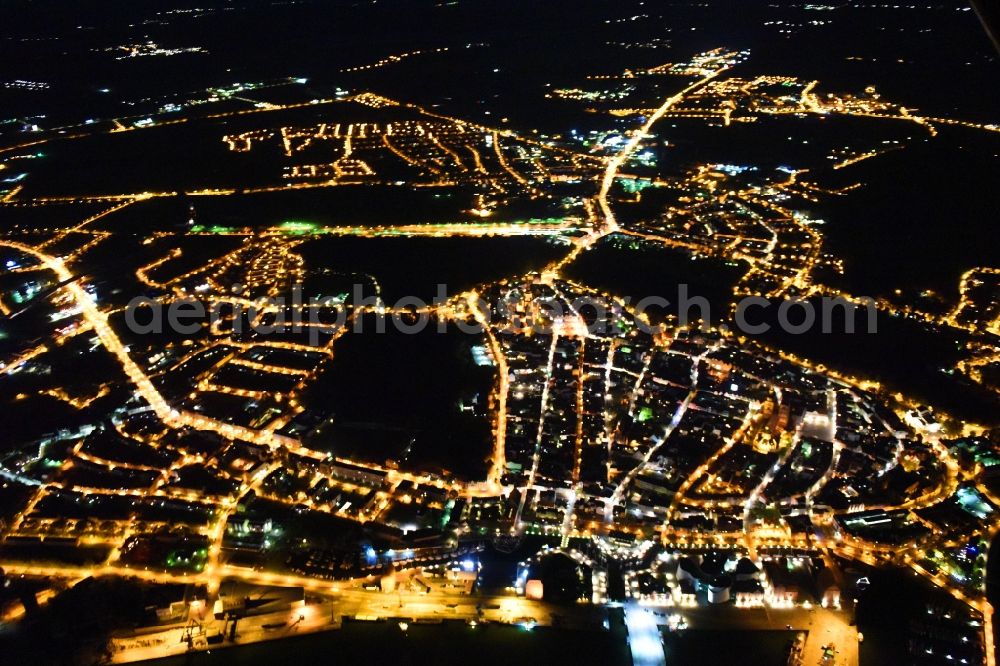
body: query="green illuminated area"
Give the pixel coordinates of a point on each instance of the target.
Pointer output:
(295, 227)
(214, 229)
(187, 560)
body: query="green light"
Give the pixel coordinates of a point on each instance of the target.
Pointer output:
(298, 227)
(214, 229)
(633, 185)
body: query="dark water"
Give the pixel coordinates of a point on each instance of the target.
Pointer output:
(993, 582)
(901, 613)
(445, 644)
(712, 648)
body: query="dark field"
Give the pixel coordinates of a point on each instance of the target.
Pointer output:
(406, 267)
(416, 399)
